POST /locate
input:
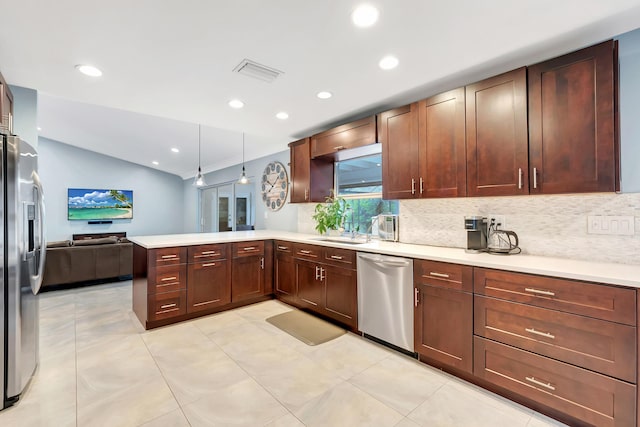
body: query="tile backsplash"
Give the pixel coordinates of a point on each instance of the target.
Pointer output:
(546, 225)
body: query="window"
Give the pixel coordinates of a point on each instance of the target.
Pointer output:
(359, 181)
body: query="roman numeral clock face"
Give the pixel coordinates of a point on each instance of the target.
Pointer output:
(275, 185)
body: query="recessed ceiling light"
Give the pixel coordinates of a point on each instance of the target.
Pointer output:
(388, 62)
(282, 115)
(324, 95)
(236, 103)
(155, 163)
(378, 164)
(39, 128)
(89, 70)
(364, 16)
(175, 150)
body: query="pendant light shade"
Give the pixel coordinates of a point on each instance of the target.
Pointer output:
(243, 177)
(198, 180)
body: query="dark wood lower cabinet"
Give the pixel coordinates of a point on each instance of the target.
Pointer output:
(247, 278)
(310, 287)
(208, 285)
(443, 326)
(584, 395)
(341, 295)
(285, 277)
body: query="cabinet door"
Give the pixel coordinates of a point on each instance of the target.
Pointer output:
(310, 287)
(444, 326)
(247, 278)
(443, 163)
(398, 133)
(573, 144)
(285, 277)
(300, 171)
(208, 285)
(497, 140)
(350, 135)
(341, 300)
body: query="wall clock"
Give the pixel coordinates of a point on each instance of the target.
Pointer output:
(275, 185)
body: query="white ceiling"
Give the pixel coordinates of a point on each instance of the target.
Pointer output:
(172, 61)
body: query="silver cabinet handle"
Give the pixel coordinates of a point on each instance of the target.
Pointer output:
(533, 380)
(169, 256)
(262, 263)
(210, 264)
(413, 186)
(336, 257)
(168, 306)
(208, 252)
(540, 292)
(306, 194)
(283, 248)
(421, 186)
(339, 147)
(250, 248)
(542, 334)
(535, 178)
(322, 275)
(519, 178)
(433, 273)
(415, 297)
(166, 279)
(317, 273)
(304, 251)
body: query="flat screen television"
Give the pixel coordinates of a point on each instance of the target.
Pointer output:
(93, 204)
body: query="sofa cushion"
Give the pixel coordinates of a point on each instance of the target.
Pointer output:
(59, 244)
(100, 241)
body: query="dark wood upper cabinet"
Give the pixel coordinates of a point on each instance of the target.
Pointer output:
(311, 180)
(443, 167)
(350, 135)
(497, 139)
(572, 131)
(398, 134)
(6, 106)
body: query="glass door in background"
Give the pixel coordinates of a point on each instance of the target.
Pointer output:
(227, 207)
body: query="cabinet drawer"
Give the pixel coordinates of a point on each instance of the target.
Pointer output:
(444, 275)
(307, 251)
(593, 398)
(587, 299)
(341, 257)
(167, 304)
(284, 247)
(166, 256)
(248, 248)
(167, 278)
(203, 253)
(599, 345)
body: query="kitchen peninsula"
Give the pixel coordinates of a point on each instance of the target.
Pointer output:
(557, 335)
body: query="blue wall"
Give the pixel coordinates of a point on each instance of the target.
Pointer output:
(158, 202)
(629, 44)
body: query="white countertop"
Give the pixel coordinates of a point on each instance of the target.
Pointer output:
(615, 274)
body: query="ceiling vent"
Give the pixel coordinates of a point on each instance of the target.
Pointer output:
(257, 71)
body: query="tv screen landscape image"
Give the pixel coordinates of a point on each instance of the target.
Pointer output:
(93, 204)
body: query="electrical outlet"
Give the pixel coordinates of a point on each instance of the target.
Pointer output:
(610, 224)
(498, 219)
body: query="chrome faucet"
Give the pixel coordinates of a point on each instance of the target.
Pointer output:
(370, 229)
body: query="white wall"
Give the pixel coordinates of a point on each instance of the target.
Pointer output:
(25, 114)
(629, 53)
(286, 219)
(158, 203)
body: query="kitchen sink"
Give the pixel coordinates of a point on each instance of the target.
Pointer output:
(347, 240)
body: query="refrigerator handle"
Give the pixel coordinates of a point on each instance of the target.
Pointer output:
(41, 250)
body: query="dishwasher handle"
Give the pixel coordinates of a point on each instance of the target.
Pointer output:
(385, 261)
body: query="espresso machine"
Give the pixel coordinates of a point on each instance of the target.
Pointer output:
(476, 227)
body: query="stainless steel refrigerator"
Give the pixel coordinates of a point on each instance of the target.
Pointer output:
(23, 251)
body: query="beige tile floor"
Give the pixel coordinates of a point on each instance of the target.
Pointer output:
(98, 367)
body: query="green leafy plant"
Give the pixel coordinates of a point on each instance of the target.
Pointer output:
(330, 215)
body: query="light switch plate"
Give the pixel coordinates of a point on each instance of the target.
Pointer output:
(611, 224)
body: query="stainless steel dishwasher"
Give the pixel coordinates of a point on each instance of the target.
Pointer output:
(385, 299)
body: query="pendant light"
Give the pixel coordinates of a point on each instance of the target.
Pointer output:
(243, 177)
(198, 180)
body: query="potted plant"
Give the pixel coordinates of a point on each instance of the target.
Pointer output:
(330, 215)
